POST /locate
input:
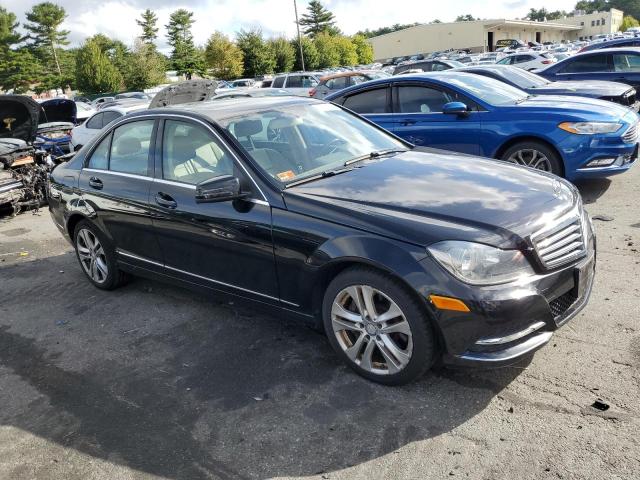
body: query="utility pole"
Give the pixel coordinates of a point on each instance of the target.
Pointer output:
(295, 9)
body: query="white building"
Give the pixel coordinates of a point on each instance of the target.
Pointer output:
(482, 35)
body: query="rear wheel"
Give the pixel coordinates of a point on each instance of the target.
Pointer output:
(378, 327)
(97, 256)
(534, 155)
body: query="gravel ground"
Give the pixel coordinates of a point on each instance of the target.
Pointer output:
(152, 381)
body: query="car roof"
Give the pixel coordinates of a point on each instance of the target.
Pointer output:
(611, 50)
(125, 108)
(217, 111)
(351, 73)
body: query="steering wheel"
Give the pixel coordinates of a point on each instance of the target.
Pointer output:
(332, 146)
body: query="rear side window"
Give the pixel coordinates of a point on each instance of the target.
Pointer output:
(130, 148)
(593, 63)
(100, 157)
(370, 101)
(109, 117)
(438, 67)
(95, 122)
(278, 82)
(337, 83)
(294, 81)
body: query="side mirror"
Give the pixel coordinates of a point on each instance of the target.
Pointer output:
(219, 189)
(455, 108)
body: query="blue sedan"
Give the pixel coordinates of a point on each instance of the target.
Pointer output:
(573, 137)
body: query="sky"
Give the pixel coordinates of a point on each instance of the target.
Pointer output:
(116, 18)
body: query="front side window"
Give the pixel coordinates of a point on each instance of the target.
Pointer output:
(626, 63)
(294, 81)
(191, 154)
(130, 148)
(308, 81)
(337, 83)
(100, 157)
(311, 138)
(370, 101)
(95, 122)
(278, 82)
(421, 99)
(592, 63)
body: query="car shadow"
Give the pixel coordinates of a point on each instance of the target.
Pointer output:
(592, 189)
(174, 384)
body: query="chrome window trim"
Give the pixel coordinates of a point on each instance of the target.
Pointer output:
(120, 174)
(512, 337)
(190, 186)
(215, 134)
(168, 267)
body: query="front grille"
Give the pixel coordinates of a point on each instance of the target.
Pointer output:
(562, 243)
(560, 305)
(631, 135)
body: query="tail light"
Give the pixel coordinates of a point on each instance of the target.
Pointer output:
(312, 92)
(546, 62)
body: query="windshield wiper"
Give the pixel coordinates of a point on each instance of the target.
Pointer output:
(375, 154)
(318, 176)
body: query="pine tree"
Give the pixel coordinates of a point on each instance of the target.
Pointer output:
(283, 54)
(185, 57)
(148, 21)
(95, 73)
(44, 32)
(317, 20)
(258, 57)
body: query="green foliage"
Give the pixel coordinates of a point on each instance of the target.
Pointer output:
(258, 58)
(95, 73)
(465, 18)
(186, 59)
(629, 7)
(19, 69)
(223, 57)
(384, 30)
(591, 6)
(9, 35)
(541, 14)
(45, 36)
(628, 22)
(309, 51)
(318, 20)
(346, 50)
(283, 54)
(148, 21)
(364, 49)
(328, 53)
(145, 67)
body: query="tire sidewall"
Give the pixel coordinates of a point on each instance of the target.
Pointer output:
(424, 345)
(113, 273)
(556, 163)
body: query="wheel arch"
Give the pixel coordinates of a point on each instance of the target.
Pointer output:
(72, 221)
(529, 138)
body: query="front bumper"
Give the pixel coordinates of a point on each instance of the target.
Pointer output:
(507, 323)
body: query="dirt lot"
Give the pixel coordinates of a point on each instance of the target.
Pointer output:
(156, 382)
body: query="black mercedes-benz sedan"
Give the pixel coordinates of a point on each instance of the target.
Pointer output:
(403, 256)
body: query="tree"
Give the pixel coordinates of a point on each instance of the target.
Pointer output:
(629, 7)
(328, 54)
(283, 54)
(9, 35)
(465, 18)
(628, 22)
(94, 71)
(186, 59)
(346, 50)
(145, 67)
(384, 30)
(364, 49)
(591, 6)
(258, 58)
(317, 20)
(44, 31)
(543, 14)
(148, 21)
(309, 51)
(223, 57)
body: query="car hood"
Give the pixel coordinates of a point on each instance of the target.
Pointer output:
(425, 197)
(19, 116)
(582, 106)
(58, 110)
(595, 88)
(184, 92)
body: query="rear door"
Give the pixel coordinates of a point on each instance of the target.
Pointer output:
(115, 185)
(374, 103)
(420, 121)
(596, 66)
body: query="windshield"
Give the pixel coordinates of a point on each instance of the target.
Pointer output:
(455, 63)
(292, 142)
(493, 92)
(522, 78)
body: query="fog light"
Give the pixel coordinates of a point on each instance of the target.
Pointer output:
(601, 162)
(448, 303)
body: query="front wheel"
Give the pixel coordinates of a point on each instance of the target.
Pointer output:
(534, 155)
(378, 327)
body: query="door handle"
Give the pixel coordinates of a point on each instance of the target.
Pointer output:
(406, 123)
(96, 183)
(165, 200)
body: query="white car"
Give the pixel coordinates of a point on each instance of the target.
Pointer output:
(81, 134)
(300, 83)
(83, 111)
(528, 61)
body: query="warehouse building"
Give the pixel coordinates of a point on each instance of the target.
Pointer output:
(482, 35)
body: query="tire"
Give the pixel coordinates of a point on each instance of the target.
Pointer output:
(106, 274)
(553, 162)
(391, 358)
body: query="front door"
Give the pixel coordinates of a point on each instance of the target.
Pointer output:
(420, 121)
(227, 245)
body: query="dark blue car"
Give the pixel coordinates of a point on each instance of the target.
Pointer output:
(617, 43)
(613, 64)
(573, 137)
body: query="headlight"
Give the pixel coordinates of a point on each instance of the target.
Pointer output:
(479, 264)
(590, 128)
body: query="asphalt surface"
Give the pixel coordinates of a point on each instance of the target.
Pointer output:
(151, 381)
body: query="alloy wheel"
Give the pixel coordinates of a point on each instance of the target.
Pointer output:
(531, 158)
(372, 330)
(92, 255)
